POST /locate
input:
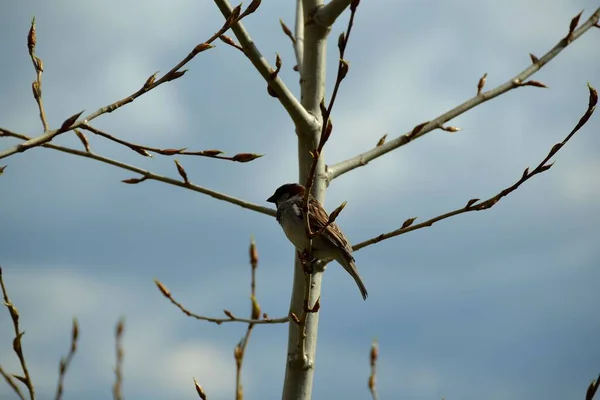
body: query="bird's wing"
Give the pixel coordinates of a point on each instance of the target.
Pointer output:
(318, 218)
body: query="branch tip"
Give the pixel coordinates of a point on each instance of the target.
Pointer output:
(69, 121)
(199, 390)
(381, 141)
(534, 59)
(481, 83)
(451, 129)
(182, 172)
(163, 289)
(246, 157)
(543, 166)
(252, 7)
(287, 31)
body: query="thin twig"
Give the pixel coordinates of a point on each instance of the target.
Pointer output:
(199, 390)
(143, 150)
(12, 383)
(519, 80)
(150, 84)
(476, 204)
(327, 127)
(592, 389)
(17, 342)
(240, 348)
(118, 386)
(66, 362)
(38, 66)
(174, 73)
(230, 317)
(149, 175)
(373, 356)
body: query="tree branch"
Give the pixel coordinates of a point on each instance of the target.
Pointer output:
(11, 382)
(17, 345)
(149, 175)
(64, 364)
(341, 168)
(592, 388)
(476, 204)
(329, 13)
(240, 349)
(143, 150)
(230, 316)
(296, 111)
(299, 36)
(307, 285)
(71, 122)
(119, 352)
(373, 355)
(38, 66)
(299, 371)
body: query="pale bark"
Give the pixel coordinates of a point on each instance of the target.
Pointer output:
(300, 365)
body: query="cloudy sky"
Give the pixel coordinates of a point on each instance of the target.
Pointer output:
(498, 304)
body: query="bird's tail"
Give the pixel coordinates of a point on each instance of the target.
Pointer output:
(353, 271)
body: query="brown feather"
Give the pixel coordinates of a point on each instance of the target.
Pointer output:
(318, 218)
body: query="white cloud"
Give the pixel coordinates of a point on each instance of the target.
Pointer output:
(155, 359)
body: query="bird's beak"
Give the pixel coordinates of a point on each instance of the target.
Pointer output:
(272, 199)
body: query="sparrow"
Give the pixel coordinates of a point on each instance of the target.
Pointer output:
(331, 244)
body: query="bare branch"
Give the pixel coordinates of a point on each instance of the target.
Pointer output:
(327, 126)
(475, 204)
(341, 168)
(71, 123)
(149, 175)
(143, 150)
(329, 13)
(17, 345)
(295, 110)
(38, 66)
(230, 316)
(199, 390)
(373, 356)
(299, 36)
(118, 386)
(240, 349)
(12, 383)
(66, 362)
(148, 85)
(306, 257)
(592, 389)
(227, 40)
(287, 31)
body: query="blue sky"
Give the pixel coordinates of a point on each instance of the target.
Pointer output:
(498, 304)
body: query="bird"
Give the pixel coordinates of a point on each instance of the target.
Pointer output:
(331, 244)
